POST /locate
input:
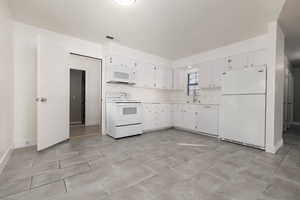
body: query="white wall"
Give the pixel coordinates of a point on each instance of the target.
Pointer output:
(25, 75)
(275, 95)
(6, 82)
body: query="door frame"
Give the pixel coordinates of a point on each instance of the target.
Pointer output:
(102, 81)
(83, 95)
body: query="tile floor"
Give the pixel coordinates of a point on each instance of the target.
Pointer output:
(153, 166)
(80, 130)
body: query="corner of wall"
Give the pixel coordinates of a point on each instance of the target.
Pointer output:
(274, 148)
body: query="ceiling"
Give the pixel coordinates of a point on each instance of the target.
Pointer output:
(289, 21)
(168, 28)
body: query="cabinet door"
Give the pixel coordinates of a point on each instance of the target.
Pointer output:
(136, 74)
(149, 117)
(157, 110)
(258, 58)
(178, 115)
(149, 75)
(218, 68)
(164, 116)
(168, 115)
(204, 71)
(160, 77)
(179, 79)
(168, 78)
(207, 119)
(189, 117)
(115, 60)
(237, 61)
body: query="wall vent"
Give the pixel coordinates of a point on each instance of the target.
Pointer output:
(110, 37)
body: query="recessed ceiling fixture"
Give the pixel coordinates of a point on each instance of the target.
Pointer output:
(125, 2)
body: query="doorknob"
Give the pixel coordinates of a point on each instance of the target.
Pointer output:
(42, 99)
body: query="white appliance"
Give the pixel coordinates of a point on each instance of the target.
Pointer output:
(123, 117)
(119, 71)
(243, 106)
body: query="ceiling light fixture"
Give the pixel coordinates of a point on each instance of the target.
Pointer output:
(125, 2)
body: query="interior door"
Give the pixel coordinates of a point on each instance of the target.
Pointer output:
(52, 94)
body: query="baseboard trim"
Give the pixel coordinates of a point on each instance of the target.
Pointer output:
(196, 132)
(274, 148)
(4, 159)
(158, 129)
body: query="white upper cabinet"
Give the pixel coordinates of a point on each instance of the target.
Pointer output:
(116, 60)
(205, 74)
(237, 61)
(249, 59)
(160, 77)
(210, 73)
(149, 75)
(169, 78)
(179, 79)
(137, 74)
(258, 58)
(218, 68)
(157, 77)
(164, 77)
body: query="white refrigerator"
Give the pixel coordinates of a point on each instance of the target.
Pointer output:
(243, 106)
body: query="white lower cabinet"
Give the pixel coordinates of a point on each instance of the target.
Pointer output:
(189, 120)
(207, 119)
(178, 115)
(157, 116)
(148, 116)
(199, 118)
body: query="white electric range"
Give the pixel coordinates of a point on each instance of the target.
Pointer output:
(123, 116)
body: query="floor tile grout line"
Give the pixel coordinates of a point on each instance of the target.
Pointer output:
(31, 181)
(65, 185)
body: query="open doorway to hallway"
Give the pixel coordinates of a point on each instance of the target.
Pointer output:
(77, 97)
(85, 96)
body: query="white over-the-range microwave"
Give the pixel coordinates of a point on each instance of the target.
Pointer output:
(120, 73)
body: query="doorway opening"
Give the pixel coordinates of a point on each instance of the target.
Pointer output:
(85, 96)
(77, 97)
